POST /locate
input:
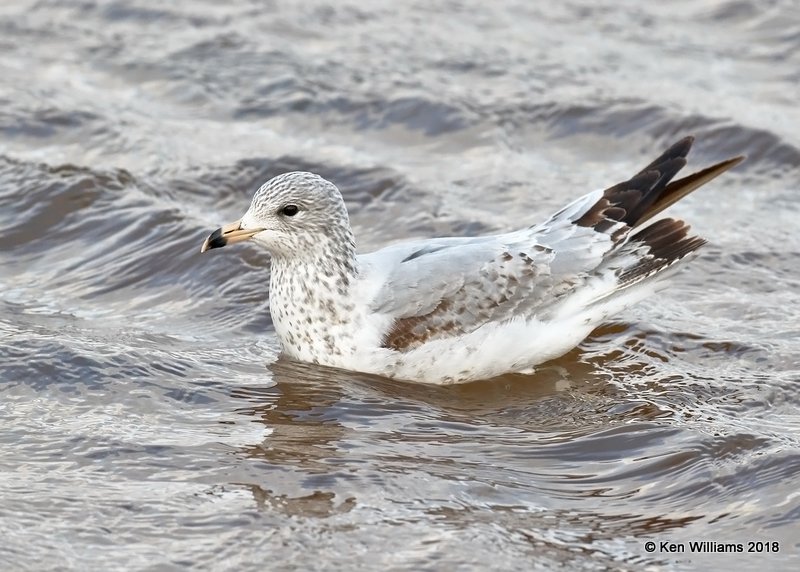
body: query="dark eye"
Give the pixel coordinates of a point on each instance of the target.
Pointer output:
(290, 210)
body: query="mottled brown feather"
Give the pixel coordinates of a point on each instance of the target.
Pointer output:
(497, 291)
(416, 330)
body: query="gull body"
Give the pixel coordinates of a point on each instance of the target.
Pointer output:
(458, 309)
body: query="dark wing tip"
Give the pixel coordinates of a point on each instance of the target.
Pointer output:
(678, 150)
(651, 190)
(681, 148)
(625, 202)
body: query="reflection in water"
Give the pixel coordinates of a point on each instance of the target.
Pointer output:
(580, 443)
(297, 410)
(577, 449)
(315, 505)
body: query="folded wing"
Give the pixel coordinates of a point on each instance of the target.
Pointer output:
(452, 286)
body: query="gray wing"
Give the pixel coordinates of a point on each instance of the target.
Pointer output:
(453, 286)
(447, 287)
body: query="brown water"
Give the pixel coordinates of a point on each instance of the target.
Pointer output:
(144, 423)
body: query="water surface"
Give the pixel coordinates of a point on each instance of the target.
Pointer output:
(145, 423)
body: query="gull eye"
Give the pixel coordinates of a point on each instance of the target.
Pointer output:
(290, 210)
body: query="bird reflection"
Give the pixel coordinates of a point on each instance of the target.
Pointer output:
(579, 430)
(317, 504)
(300, 409)
(307, 404)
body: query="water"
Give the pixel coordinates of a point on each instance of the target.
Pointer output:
(144, 421)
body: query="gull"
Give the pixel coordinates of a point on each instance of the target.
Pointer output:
(459, 309)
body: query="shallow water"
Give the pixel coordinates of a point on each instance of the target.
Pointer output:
(144, 421)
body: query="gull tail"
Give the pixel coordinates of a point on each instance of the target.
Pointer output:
(623, 210)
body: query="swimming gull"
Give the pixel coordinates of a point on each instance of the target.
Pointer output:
(452, 310)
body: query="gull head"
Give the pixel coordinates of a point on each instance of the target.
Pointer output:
(291, 215)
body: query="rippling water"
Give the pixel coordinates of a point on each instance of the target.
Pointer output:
(144, 421)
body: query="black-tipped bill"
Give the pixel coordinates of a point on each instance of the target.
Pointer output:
(228, 234)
